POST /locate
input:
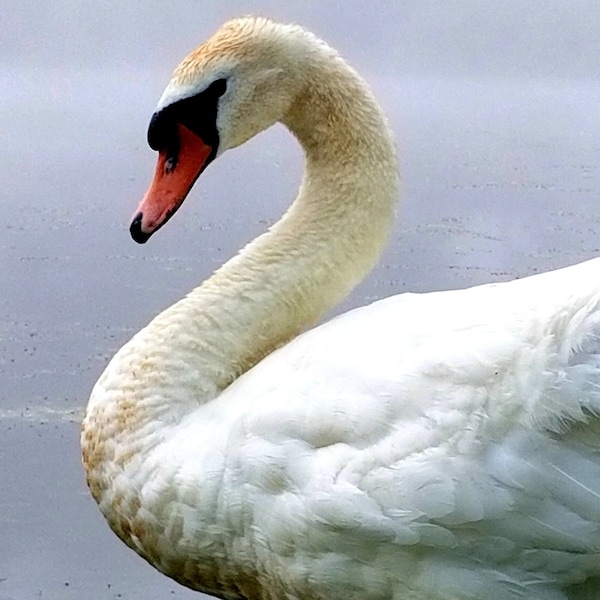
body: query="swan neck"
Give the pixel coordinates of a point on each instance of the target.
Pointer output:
(335, 230)
(330, 237)
(283, 281)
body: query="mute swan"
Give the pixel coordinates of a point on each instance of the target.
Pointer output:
(436, 446)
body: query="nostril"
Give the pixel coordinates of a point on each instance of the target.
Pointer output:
(170, 164)
(135, 229)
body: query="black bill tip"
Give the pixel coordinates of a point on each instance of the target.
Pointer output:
(135, 229)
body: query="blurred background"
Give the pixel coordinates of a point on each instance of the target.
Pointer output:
(496, 109)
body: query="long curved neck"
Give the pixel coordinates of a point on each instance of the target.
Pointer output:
(331, 236)
(281, 283)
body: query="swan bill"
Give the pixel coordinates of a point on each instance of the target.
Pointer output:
(176, 172)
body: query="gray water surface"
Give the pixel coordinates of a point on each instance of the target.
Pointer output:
(497, 115)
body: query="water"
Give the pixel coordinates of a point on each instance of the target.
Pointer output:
(496, 114)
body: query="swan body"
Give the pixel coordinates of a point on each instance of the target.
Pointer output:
(440, 446)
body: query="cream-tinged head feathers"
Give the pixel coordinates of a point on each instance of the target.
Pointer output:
(254, 56)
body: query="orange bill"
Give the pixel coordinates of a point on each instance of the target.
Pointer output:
(173, 179)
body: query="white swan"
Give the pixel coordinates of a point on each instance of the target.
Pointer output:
(437, 446)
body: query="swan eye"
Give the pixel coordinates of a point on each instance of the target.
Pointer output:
(198, 113)
(217, 87)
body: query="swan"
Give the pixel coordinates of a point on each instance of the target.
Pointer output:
(428, 446)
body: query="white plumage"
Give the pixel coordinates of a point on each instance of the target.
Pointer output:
(439, 446)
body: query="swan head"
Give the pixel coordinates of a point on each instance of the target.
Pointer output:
(236, 84)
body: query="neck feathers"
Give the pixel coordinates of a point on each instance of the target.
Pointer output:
(283, 281)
